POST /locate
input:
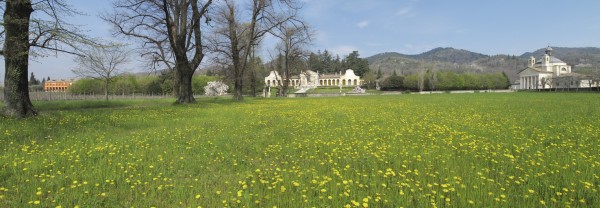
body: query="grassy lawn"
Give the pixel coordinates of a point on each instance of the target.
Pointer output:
(457, 150)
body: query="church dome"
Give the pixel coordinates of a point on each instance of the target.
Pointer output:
(553, 60)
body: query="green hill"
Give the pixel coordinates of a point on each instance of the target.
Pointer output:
(583, 60)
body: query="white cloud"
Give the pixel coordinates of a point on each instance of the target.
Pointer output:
(406, 11)
(362, 24)
(343, 50)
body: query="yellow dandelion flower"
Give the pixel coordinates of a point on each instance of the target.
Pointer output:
(197, 196)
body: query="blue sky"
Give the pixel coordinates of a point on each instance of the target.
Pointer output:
(409, 26)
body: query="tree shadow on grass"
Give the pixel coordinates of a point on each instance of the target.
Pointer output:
(96, 104)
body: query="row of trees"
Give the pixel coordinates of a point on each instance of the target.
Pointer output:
(436, 80)
(169, 34)
(129, 84)
(324, 62)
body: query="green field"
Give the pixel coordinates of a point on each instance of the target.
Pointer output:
(456, 150)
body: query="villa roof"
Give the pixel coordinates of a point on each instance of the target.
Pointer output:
(574, 75)
(329, 76)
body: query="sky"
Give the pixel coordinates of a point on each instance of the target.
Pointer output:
(370, 27)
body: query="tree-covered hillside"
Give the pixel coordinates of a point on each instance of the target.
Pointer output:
(583, 60)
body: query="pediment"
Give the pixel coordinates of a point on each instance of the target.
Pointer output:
(532, 71)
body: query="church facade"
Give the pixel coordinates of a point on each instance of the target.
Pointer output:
(313, 79)
(550, 72)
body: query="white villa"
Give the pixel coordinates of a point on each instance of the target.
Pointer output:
(550, 72)
(313, 79)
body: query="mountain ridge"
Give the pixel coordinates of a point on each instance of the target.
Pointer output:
(583, 59)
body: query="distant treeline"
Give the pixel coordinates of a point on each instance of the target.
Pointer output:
(128, 84)
(432, 81)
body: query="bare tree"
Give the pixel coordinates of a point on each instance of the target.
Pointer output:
(103, 63)
(546, 81)
(432, 78)
(421, 78)
(294, 35)
(32, 28)
(596, 78)
(234, 41)
(170, 33)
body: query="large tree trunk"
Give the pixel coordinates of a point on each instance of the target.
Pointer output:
(16, 59)
(238, 85)
(176, 78)
(106, 89)
(184, 82)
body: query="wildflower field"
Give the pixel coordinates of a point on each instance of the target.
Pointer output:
(441, 150)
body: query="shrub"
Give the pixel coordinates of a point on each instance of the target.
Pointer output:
(215, 88)
(393, 82)
(87, 86)
(199, 82)
(358, 90)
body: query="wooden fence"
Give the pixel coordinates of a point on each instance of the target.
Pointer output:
(41, 96)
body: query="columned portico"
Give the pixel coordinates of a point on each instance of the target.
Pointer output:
(314, 79)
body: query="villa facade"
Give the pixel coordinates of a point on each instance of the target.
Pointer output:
(314, 79)
(57, 85)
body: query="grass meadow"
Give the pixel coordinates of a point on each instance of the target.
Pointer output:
(441, 150)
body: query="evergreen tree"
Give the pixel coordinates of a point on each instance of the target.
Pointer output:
(354, 62)
(33, 80)
(314, 62)
(327, 61)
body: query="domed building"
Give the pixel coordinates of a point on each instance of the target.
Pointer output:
(540, 73)
(551, 72)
